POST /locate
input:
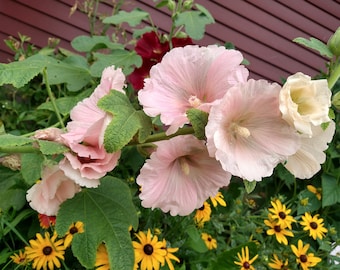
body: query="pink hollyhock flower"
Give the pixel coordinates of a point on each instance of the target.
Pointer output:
(86, 164)
(306, 161)
(88, 160)
(190, 77)
(54, 188)
(151, 47)
(246, 132)
(180, 176)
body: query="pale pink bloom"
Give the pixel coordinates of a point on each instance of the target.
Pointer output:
(87, 164)
(88, 161)
(88, 121)
(306, 161)
(304, 102)
(190, 77)
(180, 176)
(246, 132)
(54, 188)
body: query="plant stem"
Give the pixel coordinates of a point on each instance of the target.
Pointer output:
(19, 149)
(334, 75)
(162, 136)
(52, 98)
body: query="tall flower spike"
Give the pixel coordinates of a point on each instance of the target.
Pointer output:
(190, 77)
(246, 132)
(180, 176)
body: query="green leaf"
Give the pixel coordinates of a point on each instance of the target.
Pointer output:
(9, 140)
(64, 104)
(126, 121)
(127, 60)
(330, 190)
(11, 193)
(312, 201)
(92, 43)
(195, 241)
(21, 72)
(315, 44)
(107, 212)
(198, 120)
(249, 185)
(194, 22)
(51, 148)
(31, 166)
(133, 18)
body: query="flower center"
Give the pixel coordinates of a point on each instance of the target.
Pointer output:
(303, 258)
(313, 225)
(282, 215)
(148, 249)
(83, 160)
(277, 228)
(246, 265)
(201, 208)
(238, 130)
(209, 239)
(184, 165)
(194, 101)
(73, 230)
(47, 250)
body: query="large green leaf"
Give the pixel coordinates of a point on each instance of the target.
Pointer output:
(126, 122)
(133, 17)
(9, 140)
(330, 190)
(195, 21)
(315, 44)
(51, 148)
(127, 60)
(198, 120)
(88, 44)
(107, 212)
(31, 167)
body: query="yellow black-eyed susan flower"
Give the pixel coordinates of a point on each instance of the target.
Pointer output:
(277, 263)
(279, 231)
(314, 225)
(280, 213)
(102, 258)
(77, 227)
(302, 258)
(244, 261)
(209, 241)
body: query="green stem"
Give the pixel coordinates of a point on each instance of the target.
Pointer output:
(52, 98)
(13, 229)
(334, 76)
(19, 149)
(162, 136)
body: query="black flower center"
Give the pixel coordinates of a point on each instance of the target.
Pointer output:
(313, 225)
(282, 215)
(201, 208)
(47, 250)
(209, 239)
(303, 258)
(73, 230)
(246, 265)
(148, 249)
(277, 228)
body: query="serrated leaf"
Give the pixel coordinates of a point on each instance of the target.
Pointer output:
(51, 148)
(315, 44)
(92, 43)
(194, 22)
(126, 121)
(21, 72)
(107, 212)
(9, 140)
(330, 190)
(133, 17)
(31, 167)
(249, 185)
(198, 120)
(127, 60)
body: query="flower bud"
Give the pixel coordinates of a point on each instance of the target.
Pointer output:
(188, 4)
(334, 43)
(171, 5)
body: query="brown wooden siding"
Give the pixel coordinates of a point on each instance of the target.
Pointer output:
(261, 30)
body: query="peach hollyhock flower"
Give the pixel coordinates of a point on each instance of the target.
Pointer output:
(180, 176)
(304, 102)
(306, 161)
(246, 132)
(54, 188)
(88, 161)
(190, 77)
